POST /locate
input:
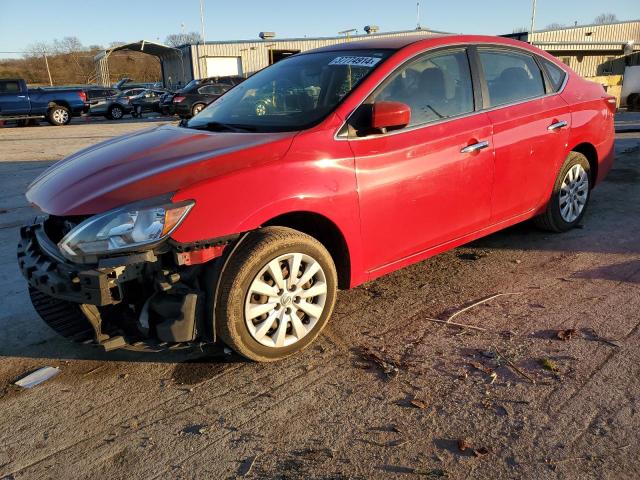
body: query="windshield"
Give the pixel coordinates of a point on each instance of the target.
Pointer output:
(292, 94)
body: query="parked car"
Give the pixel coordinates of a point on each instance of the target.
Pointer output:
(146, 101)
(127, 84)
(166, 103)
(240, 227)
(56, 105)
(108, 102)
(197, 94)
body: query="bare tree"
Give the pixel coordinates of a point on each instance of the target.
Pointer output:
(605, 18)
(177, 39)
(519, 30)
(555, 26)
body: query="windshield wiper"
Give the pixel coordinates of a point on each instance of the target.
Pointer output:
(225, 127)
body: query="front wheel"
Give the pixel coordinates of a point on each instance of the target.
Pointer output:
(570, 195)
(276, 294)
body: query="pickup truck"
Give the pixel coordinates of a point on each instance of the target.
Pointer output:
(56, 105)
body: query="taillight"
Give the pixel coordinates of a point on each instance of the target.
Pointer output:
(612, 103)
(178, 99)
(82, 95)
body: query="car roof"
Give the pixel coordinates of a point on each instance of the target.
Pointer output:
(397, 43)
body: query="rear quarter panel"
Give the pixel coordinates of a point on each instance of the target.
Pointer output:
(591, 121)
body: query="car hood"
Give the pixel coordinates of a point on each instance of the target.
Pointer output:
(146, 164)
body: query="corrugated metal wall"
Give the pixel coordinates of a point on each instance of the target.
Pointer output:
(598, 49)
(614, 32)
(586, 59)
(255, 55)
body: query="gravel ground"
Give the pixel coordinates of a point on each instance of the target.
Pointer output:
(384, 393)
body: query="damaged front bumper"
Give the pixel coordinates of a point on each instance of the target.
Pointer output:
(47, 271)
(146, 300)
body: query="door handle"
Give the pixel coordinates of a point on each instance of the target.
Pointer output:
(22, 96)
(475, 147)
(557, 126)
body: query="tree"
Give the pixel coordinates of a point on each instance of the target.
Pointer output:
(605, 18)
(555, 26)
(177, 39)
(519, 30)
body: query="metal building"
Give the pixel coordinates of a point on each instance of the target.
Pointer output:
(245, 57)
(591, 50)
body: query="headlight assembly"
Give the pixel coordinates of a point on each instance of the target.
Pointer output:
(127, 228)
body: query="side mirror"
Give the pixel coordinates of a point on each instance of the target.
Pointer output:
(390, 115)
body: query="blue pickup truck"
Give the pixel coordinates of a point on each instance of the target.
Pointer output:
(56, 105)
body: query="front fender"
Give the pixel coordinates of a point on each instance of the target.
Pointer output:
(316, 175)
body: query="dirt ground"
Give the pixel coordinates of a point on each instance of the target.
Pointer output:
(384, 393)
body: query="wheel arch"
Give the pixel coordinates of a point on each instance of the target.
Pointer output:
(589, 151)
(326, 232)
(58, 103)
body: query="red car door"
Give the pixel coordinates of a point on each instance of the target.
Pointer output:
(530, 130)
(431, 181)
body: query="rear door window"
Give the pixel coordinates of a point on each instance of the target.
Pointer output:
(211, 90)
(511, 76)
(435, 86)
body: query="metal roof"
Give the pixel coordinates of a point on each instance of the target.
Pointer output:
(571, 27)
(145, 46)
(302, 39)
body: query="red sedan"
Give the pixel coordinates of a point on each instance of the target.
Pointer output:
(321, 172)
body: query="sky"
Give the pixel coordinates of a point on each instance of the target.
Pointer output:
(100, 23)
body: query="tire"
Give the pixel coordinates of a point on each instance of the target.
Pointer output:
(115, 112)
(561, 213)
(632, 100)
(58, 115)
(237, 297)
(197, 108)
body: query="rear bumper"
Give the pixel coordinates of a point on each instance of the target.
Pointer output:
(46, 271)
(182, 109)
(79, 110)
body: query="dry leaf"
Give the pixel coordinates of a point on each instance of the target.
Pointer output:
(419, 403)
(566, 334)
(549, 364)
(479, 452)
(463, 444)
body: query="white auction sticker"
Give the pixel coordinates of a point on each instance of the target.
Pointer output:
(355, 61)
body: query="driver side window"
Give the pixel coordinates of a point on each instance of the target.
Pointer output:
(435, 86)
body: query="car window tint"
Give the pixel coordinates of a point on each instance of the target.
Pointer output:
(9, 87)
(436, 86)
(511, 76)
(556, 74)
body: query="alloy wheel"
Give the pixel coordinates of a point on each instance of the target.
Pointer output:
(574, 193)
(285, 300)
(60, 115)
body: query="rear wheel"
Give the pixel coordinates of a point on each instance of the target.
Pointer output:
(276, 294)
(58, 115)
(570, 195)
(197, 108)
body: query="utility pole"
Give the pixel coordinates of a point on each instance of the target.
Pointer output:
(46, 62)
(418, 27)
(202, 19)
(533, 21)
